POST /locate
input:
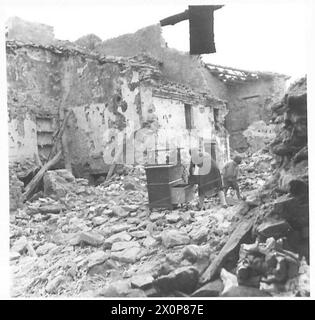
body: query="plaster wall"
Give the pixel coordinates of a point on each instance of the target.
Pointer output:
(249, 103)
(176, 66)
(22, 139)
(110, 105)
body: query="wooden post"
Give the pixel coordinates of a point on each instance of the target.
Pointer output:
(59, 134)
(66, 154)
(34, 182)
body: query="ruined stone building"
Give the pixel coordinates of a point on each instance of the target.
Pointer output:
(115, 102)
(76, 110)
(249, 94)
(128, 97)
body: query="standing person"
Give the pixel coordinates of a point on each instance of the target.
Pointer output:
(205, 173)
(230, 174)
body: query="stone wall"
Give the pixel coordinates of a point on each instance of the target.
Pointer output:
(189, 70)
(248, 103)
(176, 66)
(291, 143)
(109, 97)
(34, 94)
(172, 128)
(289, 185)
(259, 135)
(45, 82)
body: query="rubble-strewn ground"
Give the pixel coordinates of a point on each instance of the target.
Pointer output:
(95, 235)
(90, 241)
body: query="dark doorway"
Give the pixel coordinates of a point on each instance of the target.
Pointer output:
(188, 116)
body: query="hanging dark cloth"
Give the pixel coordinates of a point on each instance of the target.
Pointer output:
(201, 21)
(201, 30)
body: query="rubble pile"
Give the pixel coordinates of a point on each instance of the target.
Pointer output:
(290, 146)
(72, 238)
(291, 175)
(269, 267)
(281, 206)
(79, 239)
(256, 169)
(76, 239)
(268, 251)
(19, 174)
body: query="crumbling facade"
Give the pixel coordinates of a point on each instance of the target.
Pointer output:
(73, 108)
(249, 94)
(114, 101)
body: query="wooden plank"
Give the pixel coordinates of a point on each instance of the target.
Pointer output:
(59, 134)
(175, 18)
(232, 244)
(37, 178)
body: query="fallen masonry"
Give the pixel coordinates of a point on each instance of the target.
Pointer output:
(133, 256)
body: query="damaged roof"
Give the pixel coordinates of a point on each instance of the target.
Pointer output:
(62, 49)
(233, 75)
(149, 70)
(177, 91)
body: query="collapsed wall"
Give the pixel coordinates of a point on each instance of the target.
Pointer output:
(250, 95)
(44, 82)
(268, 251)
(290, 145)
(258, 135)
(176, 66)
(110, 99)
(248, 103)
(290, 181)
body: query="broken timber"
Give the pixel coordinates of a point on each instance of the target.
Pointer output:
(52, 160)
(58, 135)
(34, 182)
(175, 18)
(234, 75)
(182, 16)
(241, 231)
(201, 22)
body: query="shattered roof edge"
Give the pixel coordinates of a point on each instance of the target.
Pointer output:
(259, 73)
(54, 48)
(176, 88)
(165, 84)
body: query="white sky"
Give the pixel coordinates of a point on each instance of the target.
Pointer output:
(255, 35)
